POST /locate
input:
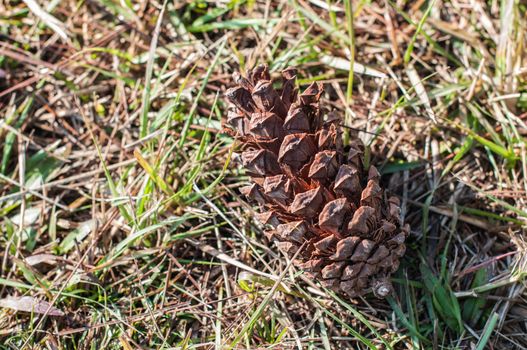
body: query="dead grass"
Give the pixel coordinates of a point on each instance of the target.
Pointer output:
(121, 220)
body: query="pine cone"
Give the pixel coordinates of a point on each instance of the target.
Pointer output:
(312, 190)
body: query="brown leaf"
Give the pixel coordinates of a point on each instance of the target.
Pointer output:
(333, 215)
(261, 162)
(307, 204)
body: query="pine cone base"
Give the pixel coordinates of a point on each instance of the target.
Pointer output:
(314, 193)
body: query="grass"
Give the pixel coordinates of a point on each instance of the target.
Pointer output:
(121, 220)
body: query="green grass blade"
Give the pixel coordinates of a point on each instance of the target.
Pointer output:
(194, 107)
(410, 49)
(489, 328)
(148, 77)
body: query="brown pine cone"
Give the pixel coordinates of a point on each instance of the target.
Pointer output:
(312, 190)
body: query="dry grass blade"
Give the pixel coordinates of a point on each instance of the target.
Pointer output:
(31, 305)
(52, 22)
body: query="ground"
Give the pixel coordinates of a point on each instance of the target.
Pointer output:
(122, 222)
